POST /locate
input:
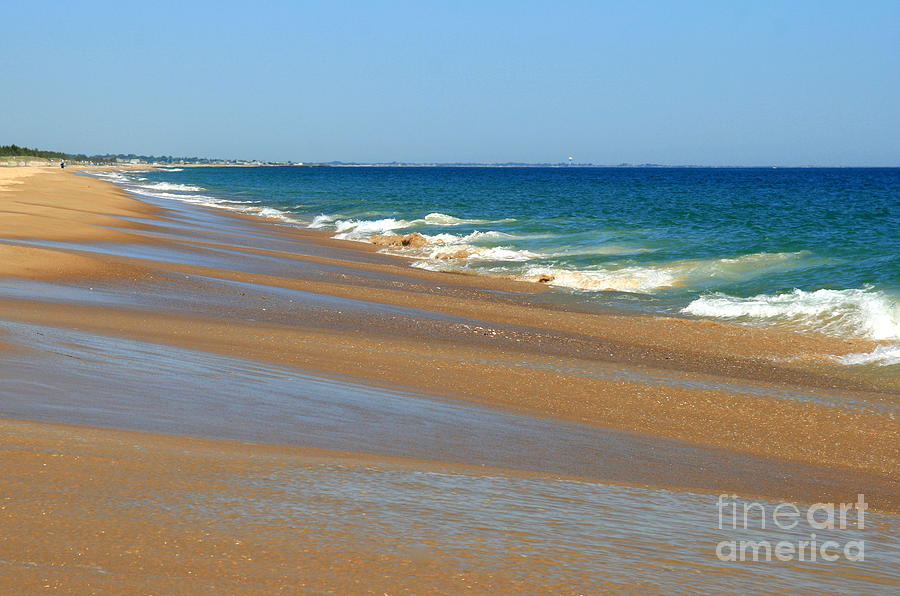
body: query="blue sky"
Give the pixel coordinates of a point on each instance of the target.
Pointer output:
(713, 83)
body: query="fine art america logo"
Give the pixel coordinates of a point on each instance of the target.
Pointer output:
(828, 517)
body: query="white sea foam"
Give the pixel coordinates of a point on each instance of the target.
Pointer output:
(442, 219)
(849, 313)
(468, 252)
(446, 238)
(354, 229)
(192, 198)
(452, 247)
(641, 280)
(321, 221)
(271, 213)
(489, 235)
(502, 253)
(170, 191)
(112, 176)
(172, 186)
(360, 229)
(249, 208)
(443, 238)
(646, 279)
(170, 169)
(886, 355)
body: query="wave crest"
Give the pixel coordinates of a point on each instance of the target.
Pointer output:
(172, 186)
(362, 227)
(646, 279)
(887, 355)
(848, 313)
(354, 229)
(640, 280)
(442, 219)
(479, 253)
(320, 221)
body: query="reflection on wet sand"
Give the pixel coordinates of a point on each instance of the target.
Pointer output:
(111, 511)
(69, 376)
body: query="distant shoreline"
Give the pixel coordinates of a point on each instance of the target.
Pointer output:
(26, 161)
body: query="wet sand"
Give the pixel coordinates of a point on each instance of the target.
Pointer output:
(102, 294)
(112, 382)
(90, 511)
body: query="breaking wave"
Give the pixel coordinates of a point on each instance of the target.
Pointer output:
(354, 229)
(473, 237)
(442, 219)
(112, 176)
(320, 221)
(199, 199)
(640, 280)
(467, 252)
(359, 229)
(164, 190)
(887, 355)
(172, 186)
(646, 279)
(848, 313)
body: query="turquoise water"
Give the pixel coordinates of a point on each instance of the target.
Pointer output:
(811, 249)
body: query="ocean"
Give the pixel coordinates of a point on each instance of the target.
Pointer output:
(815, 250)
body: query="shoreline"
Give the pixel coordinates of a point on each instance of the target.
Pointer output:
(806, 351)
(473, 345)
(440, 253)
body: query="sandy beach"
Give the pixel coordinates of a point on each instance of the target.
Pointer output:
(124, 475)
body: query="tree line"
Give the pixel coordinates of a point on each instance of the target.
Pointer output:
(17, 151)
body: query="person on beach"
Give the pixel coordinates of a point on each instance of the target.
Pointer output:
(62, 164)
